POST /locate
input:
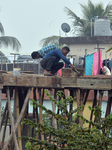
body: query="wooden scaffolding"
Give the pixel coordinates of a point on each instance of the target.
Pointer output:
(21, 86)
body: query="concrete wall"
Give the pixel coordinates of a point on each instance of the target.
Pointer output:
(79, 49)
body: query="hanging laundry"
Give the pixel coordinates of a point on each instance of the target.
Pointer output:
(89, 64)
(96, 61)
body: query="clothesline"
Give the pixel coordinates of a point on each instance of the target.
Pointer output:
(92, 61)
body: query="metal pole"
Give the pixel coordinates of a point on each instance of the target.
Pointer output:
(91, 26)
(1, 61)
(39, 66)
(85, 61)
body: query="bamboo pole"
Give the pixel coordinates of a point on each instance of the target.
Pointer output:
(36, 109)
(78, 103)
(85, 98)
(19, 119)
(11, 120)
(54, 122)
(100, 98)
(40, 111)
(81, 103)
(4, 114)
(94, 104)
(17, 112)
(4, 131)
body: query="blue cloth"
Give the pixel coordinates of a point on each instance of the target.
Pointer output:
(42, 52)
(89, 64)
(58, 54)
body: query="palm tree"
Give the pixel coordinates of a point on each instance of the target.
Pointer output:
(50, 40)
(82, 26)
(8, 40)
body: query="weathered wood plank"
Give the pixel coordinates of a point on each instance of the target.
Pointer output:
(69, 72)
(94, 84)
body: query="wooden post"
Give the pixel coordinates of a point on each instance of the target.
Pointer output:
(11, 119)
(54, 122)
(94, 104)
(100, 97)
(85, 98)
(19, 119)
(36, 109)
(4, 129)
(40, 111)
(81, 103)
(17, 113)
(85, 62)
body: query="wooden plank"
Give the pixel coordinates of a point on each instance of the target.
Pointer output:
(69, 82)
(94, 84)
(69, 72)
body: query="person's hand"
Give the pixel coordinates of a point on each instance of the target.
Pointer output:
(73, 67)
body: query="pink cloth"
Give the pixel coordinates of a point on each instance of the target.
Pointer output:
(59, 72)
(95, 62)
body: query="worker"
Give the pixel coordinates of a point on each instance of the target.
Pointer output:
(106, 70)
(50, 62)
(42, 52)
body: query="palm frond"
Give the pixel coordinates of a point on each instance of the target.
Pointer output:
(72, 15)
(108, 11)
(110, 48)
(91, 10)
(2, 29)
(10, 41)
(50, 40)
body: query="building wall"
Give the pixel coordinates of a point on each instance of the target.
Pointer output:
(48, 105)
(87, 112)
(79, 49)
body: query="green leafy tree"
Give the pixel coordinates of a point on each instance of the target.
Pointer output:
(8, 40)
(69, 135)
(82, 26)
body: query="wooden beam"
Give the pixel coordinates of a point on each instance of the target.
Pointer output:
(78, 103)
(85, 98)
(100, 98)
(81, 103)
(99, 84)
(54, 122)
(11, 119)
(36, 110)
(4, 131)
(40, 111)
(17, 113)
(20, 117)
(94, 104)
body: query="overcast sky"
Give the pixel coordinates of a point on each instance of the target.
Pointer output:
(32, 20)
